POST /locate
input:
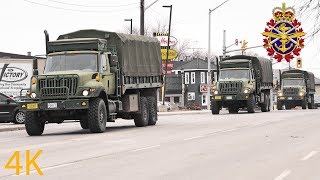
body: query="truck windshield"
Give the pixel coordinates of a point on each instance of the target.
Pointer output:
(293, 82)
(65, 62)
(234, 74)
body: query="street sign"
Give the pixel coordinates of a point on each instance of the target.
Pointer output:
(170, 65)
(168, 72)
(164, 40)
(203, 88)
(172, 54)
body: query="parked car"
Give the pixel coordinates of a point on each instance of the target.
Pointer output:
(10, 110)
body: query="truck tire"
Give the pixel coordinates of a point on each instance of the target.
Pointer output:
(34, 126)
(152, 110)
(311, 105)
(233, 110)
(215, 107)
(279, 105)
(251, 103)
(97, 115)
(141, 118)
(304, 103)
(84, 123)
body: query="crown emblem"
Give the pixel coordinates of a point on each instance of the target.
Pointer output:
(283, 13)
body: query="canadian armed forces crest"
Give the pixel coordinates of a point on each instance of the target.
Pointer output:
(283, 36)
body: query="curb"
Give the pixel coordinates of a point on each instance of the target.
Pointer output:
(12, 129)
(182, 112)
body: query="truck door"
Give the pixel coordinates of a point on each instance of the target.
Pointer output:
(107, 78)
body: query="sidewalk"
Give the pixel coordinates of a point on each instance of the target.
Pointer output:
(15, 127)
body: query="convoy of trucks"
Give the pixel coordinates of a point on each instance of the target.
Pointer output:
(297, 88)
(243, 82)
(96, 77)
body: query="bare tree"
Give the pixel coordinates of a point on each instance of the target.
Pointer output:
(310, 10)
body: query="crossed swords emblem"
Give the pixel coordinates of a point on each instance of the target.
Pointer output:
(284, 35)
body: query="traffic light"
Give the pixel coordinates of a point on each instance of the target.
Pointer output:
(236, 42)
(299, 63)
(244, 44)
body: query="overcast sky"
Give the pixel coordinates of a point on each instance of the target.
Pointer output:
(23, 22)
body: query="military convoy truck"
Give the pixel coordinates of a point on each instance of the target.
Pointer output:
(243, 82)
(96, 77)
(297, 88)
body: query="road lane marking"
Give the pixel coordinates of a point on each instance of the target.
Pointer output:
(309, 155)
(283, 175)
(46, 168)
(195, 137)
(149, 147)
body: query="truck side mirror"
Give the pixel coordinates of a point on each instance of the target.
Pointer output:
(8, 100)
(113, 60)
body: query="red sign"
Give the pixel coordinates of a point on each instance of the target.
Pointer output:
(168, 72)
(203, 88)
(170, 65)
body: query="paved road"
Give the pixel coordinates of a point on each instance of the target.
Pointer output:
(262, 146)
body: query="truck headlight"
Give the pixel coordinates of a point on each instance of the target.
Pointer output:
(85, 92)
(301, 93)
(280, 94)
(246, 91)
(33, 95)
(215, 92)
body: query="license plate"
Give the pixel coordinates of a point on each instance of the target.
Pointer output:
(289, 98)
(217, 97)
(52, 105)
(228, 97)
(32, 106)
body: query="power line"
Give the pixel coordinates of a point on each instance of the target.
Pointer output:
(75, 10)
(100, 6)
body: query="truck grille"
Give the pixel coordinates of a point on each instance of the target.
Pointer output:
(230, 87)
(52, 87)
(290, 91)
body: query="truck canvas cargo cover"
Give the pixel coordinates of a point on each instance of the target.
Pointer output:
(262, 66)
(138, 55)
(296, 73)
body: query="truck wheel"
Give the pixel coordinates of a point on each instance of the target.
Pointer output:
(152, 110)
(279, 105)
(233, 110)
(97, 115)
(84, 123)
(304, 103)
(34, 126)
(142, 117)
(215, 107)
(251, 103)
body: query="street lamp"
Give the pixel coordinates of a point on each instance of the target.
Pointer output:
(209, 53)
(168, 45)
(130, 24)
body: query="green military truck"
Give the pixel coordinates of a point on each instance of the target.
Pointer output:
(243, 82)
(96, 77)
(297, 88)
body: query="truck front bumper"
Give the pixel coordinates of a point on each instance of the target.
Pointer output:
(290, 98)
(51, 105)
(238, 97)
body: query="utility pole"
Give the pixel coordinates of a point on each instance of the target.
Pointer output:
(142, 17)
(167, 59)
(209, 53)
